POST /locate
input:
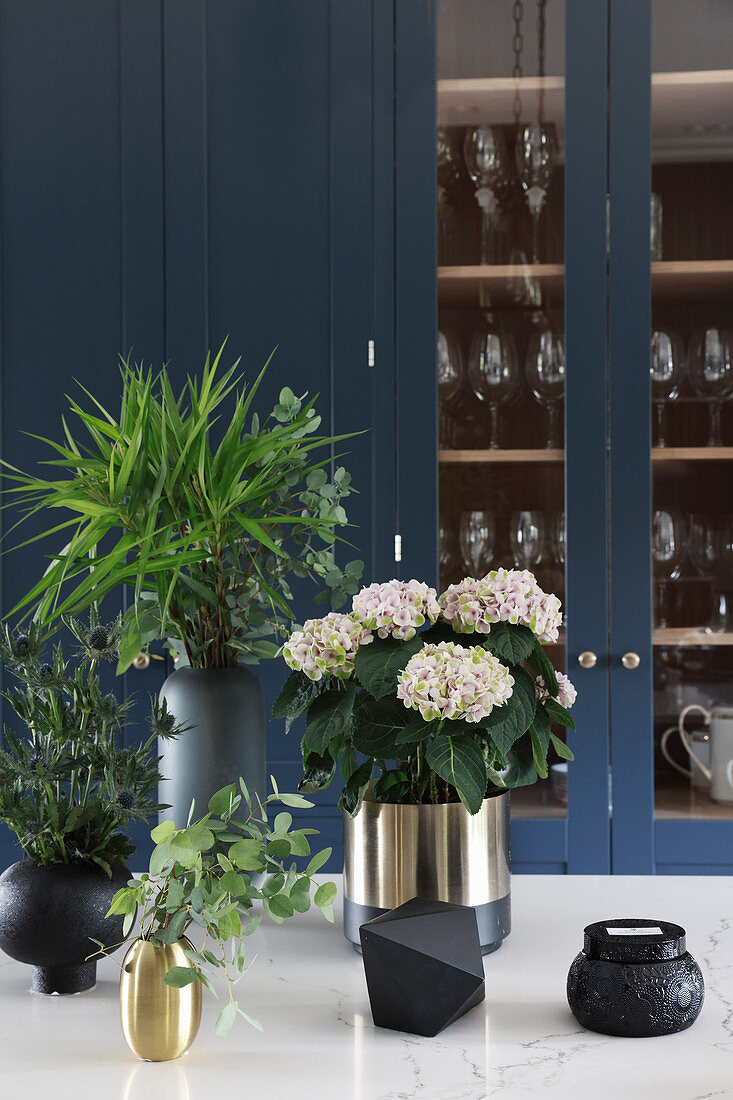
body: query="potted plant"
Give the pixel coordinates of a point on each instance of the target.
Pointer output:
(69, 790)
(207, 513)
(208, 875)
(435, 709)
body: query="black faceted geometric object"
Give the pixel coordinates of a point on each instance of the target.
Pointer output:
(423, 965)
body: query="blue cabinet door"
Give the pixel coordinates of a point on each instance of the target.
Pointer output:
(671, 495)
(580, 840)
(178, 174)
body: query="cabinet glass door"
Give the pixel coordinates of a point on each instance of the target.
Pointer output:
(507, 419)
(671, 384)
(501, 346)
(691, 370)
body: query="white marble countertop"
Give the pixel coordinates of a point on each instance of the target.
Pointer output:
(307, 987)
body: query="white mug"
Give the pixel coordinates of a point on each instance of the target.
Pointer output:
(720, 773)
(701, 741)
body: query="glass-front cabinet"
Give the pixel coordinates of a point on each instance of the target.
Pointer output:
(582, 154)
(689, 89)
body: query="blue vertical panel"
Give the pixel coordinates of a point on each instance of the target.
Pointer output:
(630, 471)
(416, 391)
(586, 429)
(384, 427)
(185, 173)
(62, 285)
(143, 263)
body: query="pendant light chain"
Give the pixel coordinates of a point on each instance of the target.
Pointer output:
(541, 4)
(517, 44)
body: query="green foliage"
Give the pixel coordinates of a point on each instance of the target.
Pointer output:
(378, 664)
(213, 874)
(208, 537)
(68, 789)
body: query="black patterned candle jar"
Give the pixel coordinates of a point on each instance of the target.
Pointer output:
(635, 978)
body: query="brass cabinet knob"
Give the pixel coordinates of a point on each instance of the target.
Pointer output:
(587, 659)
(631, 660)
(141, 662)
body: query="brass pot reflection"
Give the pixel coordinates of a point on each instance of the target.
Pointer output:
(393, 853)
(159, 1022)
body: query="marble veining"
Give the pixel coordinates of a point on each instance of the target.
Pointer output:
(307, 988)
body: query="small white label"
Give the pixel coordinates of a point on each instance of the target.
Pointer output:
(652, 930)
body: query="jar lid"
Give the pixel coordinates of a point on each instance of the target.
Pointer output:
(634, 940)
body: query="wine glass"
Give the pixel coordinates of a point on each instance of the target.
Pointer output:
(484, 151)
(446, 550)
(706, 540)
(448, 178)
(535, 157)
(667, 548)
(527, 538)
(450, 381)
(545, 370)
(476, 537)
(557, 547)
(493, 371)
(711, 373)
(664, 370)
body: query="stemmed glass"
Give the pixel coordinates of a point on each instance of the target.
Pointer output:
(527, 538)
(664, 370)
(446, 554)
(535, 157)
(448, 177)
(477, 535)
(493, 371)
(450, 381)
(545, 370)
(667, 545)
(706, 542)
(711, 373)
(485, 155)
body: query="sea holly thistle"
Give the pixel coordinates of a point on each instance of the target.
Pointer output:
(214, 874)
(443, 698)
(68, 787)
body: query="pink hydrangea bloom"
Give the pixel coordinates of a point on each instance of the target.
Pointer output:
(566, 695)
(396, 607)
(447, 680)
(326, 646)
(506, 596)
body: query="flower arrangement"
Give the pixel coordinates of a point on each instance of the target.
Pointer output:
(396, 686)
(210, 874)
(69, 790)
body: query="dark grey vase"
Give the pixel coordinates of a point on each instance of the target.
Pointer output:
(226, 708)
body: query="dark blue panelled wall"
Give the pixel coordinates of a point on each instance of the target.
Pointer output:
(174, 173)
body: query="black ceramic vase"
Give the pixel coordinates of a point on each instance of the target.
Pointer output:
(226, 708)
(49, 915)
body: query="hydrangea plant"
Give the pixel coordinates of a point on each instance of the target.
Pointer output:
(398, 688)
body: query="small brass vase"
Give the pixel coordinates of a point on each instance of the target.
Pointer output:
(159, 1022)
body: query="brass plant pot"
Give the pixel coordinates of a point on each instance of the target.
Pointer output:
(159, 1022)
(393, 853)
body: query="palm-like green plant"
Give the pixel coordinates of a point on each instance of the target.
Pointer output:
(206, 536)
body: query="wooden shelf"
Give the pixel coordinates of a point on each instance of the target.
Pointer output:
(675, 798)
(464, 284)
(501, 455)
(670, 279)
(690, 110)
(506, 455)
(692, 454)
(692, 278)
(689, 636)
